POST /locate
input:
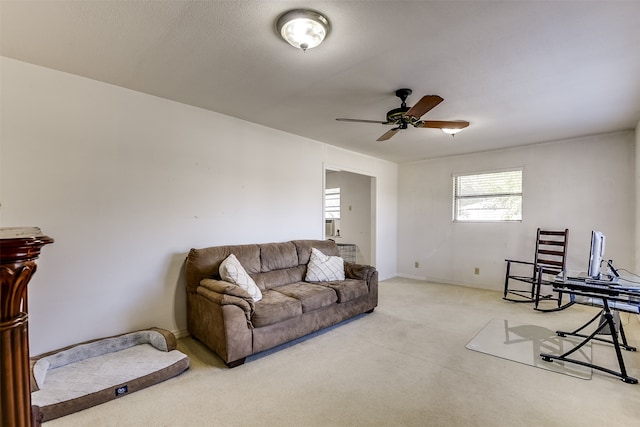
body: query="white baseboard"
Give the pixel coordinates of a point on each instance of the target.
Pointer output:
(412, 276)
(181, 334)
(447, 282)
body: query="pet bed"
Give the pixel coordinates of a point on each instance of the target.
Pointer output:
(88, 374)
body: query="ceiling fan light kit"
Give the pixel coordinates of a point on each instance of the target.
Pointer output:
(451, 131)
(404, 116)
(303, 28)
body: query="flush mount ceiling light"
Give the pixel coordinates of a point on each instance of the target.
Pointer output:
(303, 28)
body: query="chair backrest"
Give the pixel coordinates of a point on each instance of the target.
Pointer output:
(551, 250)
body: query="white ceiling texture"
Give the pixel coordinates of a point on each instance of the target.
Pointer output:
(520, 72)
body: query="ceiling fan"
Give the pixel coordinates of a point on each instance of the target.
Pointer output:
(404, 116)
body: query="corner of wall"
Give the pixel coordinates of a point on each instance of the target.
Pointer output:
(637, 194)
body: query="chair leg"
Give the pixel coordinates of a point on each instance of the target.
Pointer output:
(559, 299)
(558, 308)
(506, 280)
(536, 285)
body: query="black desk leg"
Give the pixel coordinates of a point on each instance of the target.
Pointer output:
(614, 340)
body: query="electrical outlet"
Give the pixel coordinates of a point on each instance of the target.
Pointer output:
(417, 264)
(476, 270)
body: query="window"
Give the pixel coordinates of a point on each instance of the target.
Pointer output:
(332, 203)
(495, 196)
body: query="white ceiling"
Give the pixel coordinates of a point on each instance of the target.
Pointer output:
(521, 72)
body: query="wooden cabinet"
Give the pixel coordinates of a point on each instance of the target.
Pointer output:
(19, 249)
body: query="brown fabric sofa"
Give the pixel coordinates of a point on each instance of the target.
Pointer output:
(226, 319)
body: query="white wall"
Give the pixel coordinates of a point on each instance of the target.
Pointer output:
(581, 184)
(127, 183)
(637, 193)
(355, 211)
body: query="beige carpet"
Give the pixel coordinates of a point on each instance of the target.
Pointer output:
(403, 365)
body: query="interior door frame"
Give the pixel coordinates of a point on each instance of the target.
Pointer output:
(372, 208)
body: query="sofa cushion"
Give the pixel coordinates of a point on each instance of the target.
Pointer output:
(348, 289)
(271, 279)
(232, 271)
(323, 268)
(275, 307)
(276, 256)
(327, 247)
(311, 296)
(205, 263)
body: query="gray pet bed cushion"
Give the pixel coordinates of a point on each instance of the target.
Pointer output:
(87, 374)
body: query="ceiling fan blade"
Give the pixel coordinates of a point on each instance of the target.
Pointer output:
(388, 134)
(362, 121)
(425, 104)
(439, 124)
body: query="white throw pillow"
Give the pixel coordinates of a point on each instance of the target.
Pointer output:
(324, 268)
(232, 271)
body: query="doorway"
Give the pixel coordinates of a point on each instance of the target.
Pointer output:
(350, 214)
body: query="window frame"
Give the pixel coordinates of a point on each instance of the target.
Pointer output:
(456, 198)
(327, 196)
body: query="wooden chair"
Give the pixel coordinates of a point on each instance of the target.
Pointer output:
(549, 260)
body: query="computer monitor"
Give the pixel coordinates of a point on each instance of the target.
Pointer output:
(596, 255)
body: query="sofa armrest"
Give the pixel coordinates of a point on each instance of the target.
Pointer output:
(358, 271)
(225, 293)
